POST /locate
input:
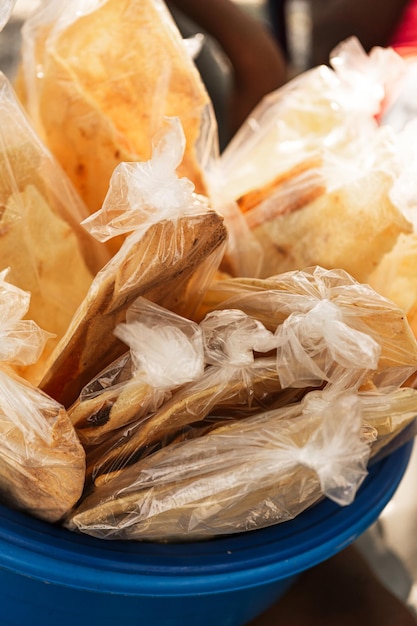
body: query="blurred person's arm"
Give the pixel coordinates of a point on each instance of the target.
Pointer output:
(258, 65)
(371, 21)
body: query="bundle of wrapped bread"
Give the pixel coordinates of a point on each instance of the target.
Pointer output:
(174, 245)
(254, 439)
(232, 353)
(98, 78)
(34, 192)
(42, 463)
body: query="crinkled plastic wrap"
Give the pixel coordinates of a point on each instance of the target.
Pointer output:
(322, 108)
(235, 470)
(49, 254)
(42, 463)
(244, 475)
(395, 276)
(98, 78)
(233, 379)
(330, 320)
(310, 173)
(173, 246)
(318, 215)
(166, 352)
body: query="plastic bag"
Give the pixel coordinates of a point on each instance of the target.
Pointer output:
(245, 475)
(250, 473)
(98, 79)
(239, 471)
(233, 377)
(49, 254)
(394, 276)
(327, 323)
(42, 463)
(311, 171)
(166, 351)
(333, 332)
(318, 216)
(172, 250)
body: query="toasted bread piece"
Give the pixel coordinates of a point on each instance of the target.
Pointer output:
(218, 387)
(108, 78)
(42, 463)
(158, 266)
(328, 228)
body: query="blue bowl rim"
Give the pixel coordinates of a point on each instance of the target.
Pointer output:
(50, 553)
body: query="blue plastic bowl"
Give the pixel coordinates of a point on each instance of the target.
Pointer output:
(52, 577)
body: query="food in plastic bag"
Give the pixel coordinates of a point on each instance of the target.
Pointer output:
(42, 463)
(98, 78)
(233, 377)
(325, 107)
(311, 171)
(331, 300)
(249, 472)
(175, 245)
(245, 475)
(355, 212)
(332, 331)
(49, 254)
(395, 275)
(166, 351)
(390, 414)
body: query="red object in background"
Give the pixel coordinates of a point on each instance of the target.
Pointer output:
(404, 37)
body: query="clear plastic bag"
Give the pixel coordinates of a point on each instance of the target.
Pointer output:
(233, 377)
(244, 475)
(42, 463)
(173, 246)
(49, 254)
(311, 171)
(327, 323)
(98, 78)
(331, 331)
(166, 352)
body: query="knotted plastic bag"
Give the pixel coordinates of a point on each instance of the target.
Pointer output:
(98, 79)
(173, 244)
(233, 377)
(326, 323)
(245, 475)
(166, 352)
(276, 170)
(42, 463)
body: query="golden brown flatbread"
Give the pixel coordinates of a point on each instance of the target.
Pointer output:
(158, 266)
(98, 415)
(48, 252)
(42, 463)
(105, 80)
(219, 387)
(325, 231)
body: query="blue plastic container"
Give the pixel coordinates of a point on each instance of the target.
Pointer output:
(52, 577)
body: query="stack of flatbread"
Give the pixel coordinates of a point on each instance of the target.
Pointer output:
(41, 238)
(98, 81)
(42, 463)
(230, 451)
(174, 244)
(312, 172)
